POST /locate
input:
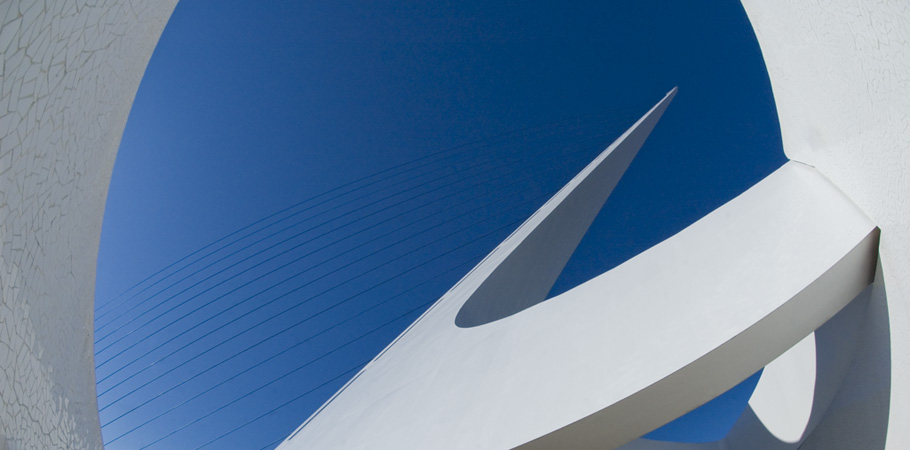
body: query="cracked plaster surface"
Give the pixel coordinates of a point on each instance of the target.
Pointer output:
(840, 72)
(69, 70)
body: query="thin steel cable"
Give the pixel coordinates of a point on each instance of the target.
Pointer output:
(337, 206)
(296, 344)
(307, 230)
(466, 146)
(249, 328)
(326, 383)
(300, 367)
(328, 290)
(237, 428)
(99, 327)
(485, 141)
(261, 276)
(273, 443)
(380, 237)
(361, 365)
(476, 184)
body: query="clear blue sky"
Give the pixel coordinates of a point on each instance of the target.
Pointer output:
(250, 107)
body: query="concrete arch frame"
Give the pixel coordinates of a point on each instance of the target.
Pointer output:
(70, 69)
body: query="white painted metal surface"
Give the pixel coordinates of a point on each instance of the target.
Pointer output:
(783, 397)
(623, 353)
(836, 345)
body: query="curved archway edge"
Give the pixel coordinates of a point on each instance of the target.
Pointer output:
(68, 76)
(839, 75)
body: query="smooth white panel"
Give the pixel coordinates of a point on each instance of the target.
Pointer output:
(782, 399)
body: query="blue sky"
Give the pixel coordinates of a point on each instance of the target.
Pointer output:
(248, 108)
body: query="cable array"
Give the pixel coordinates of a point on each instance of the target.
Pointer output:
(270, 320)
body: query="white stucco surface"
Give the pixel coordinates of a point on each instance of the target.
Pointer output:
(68, 73)
(840, 72)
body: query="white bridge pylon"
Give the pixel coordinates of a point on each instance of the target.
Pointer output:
(492, 365)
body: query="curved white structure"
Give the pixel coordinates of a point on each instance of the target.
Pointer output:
(491, 366)
(68, 74)
(840, 72)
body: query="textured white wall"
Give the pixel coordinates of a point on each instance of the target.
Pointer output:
(68, 73)
(840, 71)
